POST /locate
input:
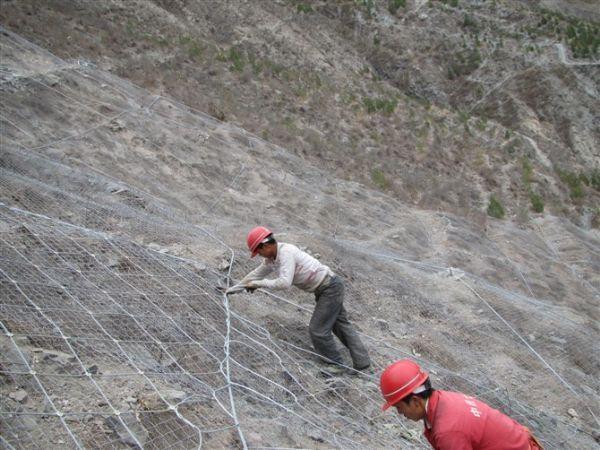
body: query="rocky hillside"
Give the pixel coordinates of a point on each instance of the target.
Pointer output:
(476, 108)
(138, 143)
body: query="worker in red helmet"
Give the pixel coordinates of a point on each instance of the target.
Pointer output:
(292, 266)
(453, 421)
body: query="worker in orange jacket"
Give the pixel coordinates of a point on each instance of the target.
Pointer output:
(453, 421)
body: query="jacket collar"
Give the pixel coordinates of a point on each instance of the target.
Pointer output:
(430, 409)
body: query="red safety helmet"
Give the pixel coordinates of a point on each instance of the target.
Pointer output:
(255, 237)
(400, 380)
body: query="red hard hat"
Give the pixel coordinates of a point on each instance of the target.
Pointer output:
(255, 237)
(399, 380)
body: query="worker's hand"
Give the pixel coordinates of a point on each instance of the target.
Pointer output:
(235, 289)
(250, 287)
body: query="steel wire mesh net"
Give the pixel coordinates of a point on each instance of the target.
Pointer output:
(120, 212)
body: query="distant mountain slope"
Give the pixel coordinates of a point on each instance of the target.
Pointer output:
(399, 95)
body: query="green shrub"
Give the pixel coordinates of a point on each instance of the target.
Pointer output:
(193, 48)
(495, 208)
(304, 8)
(582, 37)
(573, 181)
(470, 23)
(595, 179)
(237, 60)
(369, 5)
(394, 5)
(537, 203)
(379, 179)
(463, 63)
(387, 106)
(527, 170)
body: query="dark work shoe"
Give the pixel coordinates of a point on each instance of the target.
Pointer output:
(365, 370)
(333, 370)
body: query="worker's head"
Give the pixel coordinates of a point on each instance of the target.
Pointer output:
(413, 406)
(406, 386)
(261, 242)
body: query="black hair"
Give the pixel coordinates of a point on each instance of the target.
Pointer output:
(270, 239)
(424, 395)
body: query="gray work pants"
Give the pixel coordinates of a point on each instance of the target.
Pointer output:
(329, 315)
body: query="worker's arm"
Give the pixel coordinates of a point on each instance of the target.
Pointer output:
(247, 282)
(284, 280)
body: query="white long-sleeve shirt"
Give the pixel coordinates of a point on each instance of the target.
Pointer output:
(292, 266)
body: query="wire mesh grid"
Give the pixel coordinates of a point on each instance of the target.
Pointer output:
(111, 341)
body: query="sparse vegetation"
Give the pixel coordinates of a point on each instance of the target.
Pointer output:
(595, 179)
(527, 170)
(464, 63)
(386, 106)
(453, 3)
(379, 178)
(193, 48)
(470, 24)
(573, 181)
(495, 208)
(395, 5)
(537, 203)
(368, 5)
(237, 60)
(304, 8)
(583, 37)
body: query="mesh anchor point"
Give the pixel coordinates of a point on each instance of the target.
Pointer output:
(32, 372)
(60, 413)
(172, 407)
(9, 334)
(116, 412)
(141, 372)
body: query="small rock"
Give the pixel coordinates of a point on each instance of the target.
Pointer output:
(411, 435)
(93, 369)
(224, 265)
(19, 396)
(254, 437)
(157, 248)
(173, 395)
(572, 413)
(115, 126)
(557, 340)
(199, 266)
(383, 324)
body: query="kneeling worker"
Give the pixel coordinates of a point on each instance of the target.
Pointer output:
(453, 421)
(295, 267)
